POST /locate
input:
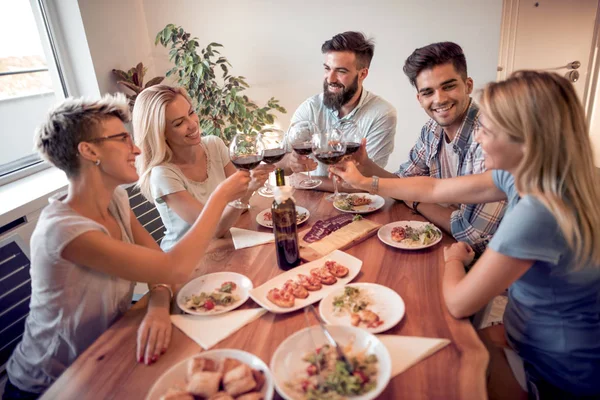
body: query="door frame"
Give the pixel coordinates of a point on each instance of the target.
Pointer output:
(506, 55)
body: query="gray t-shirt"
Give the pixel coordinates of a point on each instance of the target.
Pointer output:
(71, 305)
(168, 178)
(374, 117)
(553, 314)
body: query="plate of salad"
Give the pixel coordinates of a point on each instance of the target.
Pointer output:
(265, 217)
(305, 366)
(359, 203)
(410, 235)
(214, 294)
(375, 308)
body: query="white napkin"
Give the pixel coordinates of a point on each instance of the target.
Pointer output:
(243, 238)
(406, 351)
(210, 330)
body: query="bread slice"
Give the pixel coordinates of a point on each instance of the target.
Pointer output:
(344, 236)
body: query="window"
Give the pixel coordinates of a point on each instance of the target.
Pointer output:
(30, 82)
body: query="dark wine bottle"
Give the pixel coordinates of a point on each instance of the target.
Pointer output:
(284, 224)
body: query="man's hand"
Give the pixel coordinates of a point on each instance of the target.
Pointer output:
(298, 163)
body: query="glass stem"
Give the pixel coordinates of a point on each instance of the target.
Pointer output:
(335, 189)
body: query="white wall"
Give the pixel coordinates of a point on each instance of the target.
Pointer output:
(276, 44)
(117, 37)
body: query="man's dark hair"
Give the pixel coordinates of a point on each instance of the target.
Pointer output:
(355, 42)
(435, 54)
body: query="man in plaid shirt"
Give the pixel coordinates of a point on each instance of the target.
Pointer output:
(446, 147)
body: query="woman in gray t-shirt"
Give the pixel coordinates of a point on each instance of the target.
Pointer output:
(88, 248)
(547, 248)
(179, 168)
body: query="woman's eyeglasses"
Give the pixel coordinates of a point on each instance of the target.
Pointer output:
(122, 137)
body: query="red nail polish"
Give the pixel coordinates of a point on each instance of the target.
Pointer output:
(163, 351)
(141, 360)
(154, 358)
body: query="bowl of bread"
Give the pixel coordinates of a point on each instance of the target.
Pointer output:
(221, 374)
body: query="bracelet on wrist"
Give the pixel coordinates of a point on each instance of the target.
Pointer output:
(374, 184)
(162, 285)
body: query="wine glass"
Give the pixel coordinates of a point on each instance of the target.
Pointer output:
(329, 148)
(275, 149)
(300, 136)
(352, 138)
(246, 152)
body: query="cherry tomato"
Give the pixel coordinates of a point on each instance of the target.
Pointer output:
(209, 305)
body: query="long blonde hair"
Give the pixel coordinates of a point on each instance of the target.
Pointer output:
(542, 111)
(149, 122)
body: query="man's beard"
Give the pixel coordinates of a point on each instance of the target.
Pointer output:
(335, 101)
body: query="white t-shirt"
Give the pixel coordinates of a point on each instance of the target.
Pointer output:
(448, 152)
(168, 178)
(71, 305)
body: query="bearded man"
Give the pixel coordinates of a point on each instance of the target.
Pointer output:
(347, 60)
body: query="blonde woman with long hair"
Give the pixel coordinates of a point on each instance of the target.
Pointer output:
(179, 168)
(88, 249)
(547, 248)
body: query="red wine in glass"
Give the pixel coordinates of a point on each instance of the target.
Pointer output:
(247, 162)
(273, 156)
(303, 149)
(330, 157)
(352, 147)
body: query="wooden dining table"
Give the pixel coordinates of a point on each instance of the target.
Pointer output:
(108, 369)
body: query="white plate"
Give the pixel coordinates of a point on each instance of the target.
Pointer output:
(259, 294)
(383, 301)
(385, 234)
(268, 223)
(208, 283)
(286, 363)
(176, 375)
(376, 203)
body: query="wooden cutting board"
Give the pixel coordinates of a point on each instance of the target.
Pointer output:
(341, 239)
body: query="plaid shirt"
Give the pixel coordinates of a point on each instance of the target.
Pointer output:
(471, 223)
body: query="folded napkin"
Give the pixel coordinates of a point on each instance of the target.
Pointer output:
(243, 238)
(406, 351)
(210, 330)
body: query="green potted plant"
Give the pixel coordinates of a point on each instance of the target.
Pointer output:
(222, 108)
(133, 79)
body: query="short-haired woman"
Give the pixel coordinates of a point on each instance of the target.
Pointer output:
(88, 249)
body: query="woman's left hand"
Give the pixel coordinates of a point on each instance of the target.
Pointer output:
(154, 335)
(259, 175)
(460, 251)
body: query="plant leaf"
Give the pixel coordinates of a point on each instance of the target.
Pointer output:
(154, 81)
(131, 86)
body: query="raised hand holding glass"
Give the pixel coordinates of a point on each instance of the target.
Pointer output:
(329, 148)
(246, 152)
(275, 149)
(300, 136)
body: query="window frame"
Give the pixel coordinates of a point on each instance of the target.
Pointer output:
(32, 163)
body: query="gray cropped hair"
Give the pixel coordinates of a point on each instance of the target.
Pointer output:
(73, 121)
